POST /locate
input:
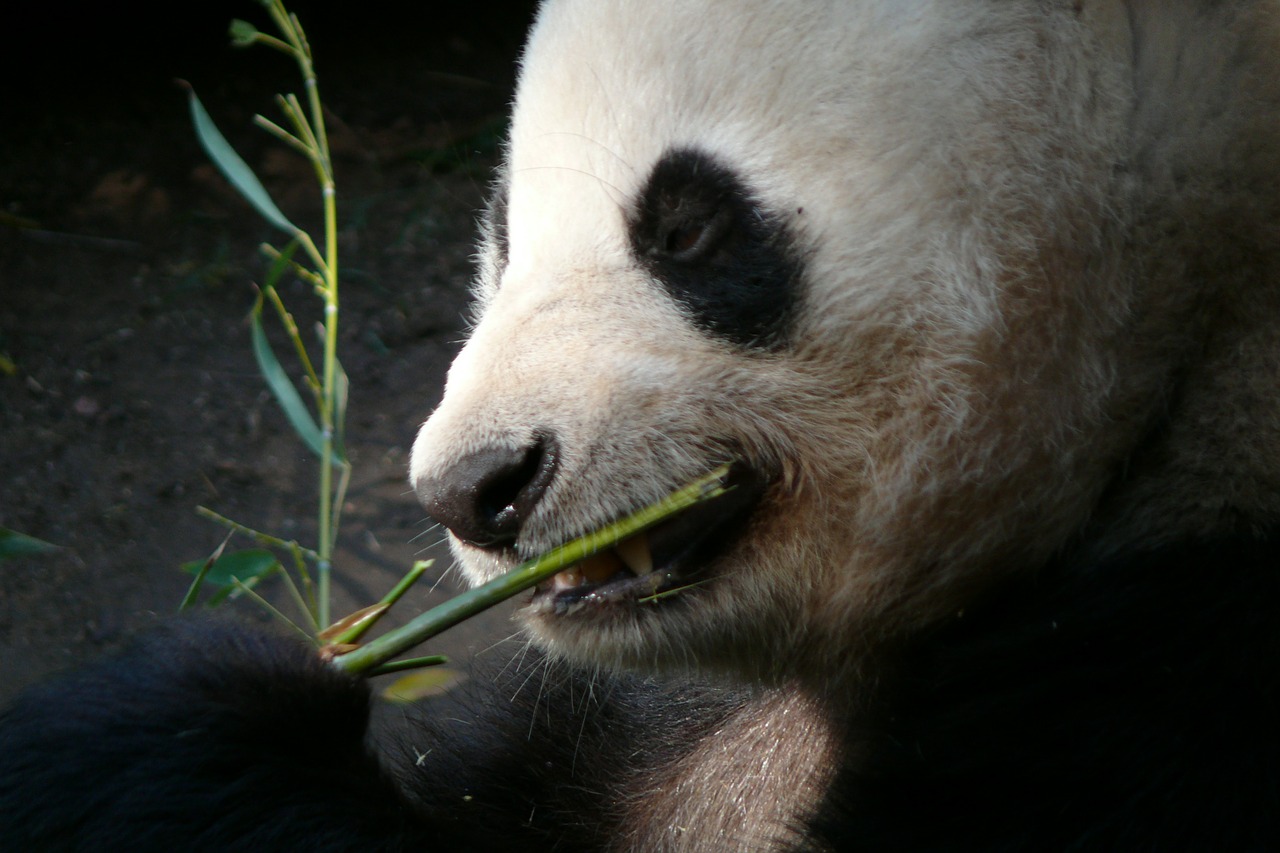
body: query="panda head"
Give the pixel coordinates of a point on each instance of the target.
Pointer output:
(865, 251)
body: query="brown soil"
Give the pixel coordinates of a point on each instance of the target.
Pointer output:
(129, 394)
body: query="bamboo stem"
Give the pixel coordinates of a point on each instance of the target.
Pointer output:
(528, 574)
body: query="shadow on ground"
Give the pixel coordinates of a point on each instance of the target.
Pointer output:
(128, 392)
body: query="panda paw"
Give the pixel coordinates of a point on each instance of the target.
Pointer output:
(203, 734)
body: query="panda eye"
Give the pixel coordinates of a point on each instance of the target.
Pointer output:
(691, 239)
(684, 238)
(725, 259)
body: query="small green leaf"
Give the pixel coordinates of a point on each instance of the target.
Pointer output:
(251, 564)
(342, 388)
(418, 685)
(15, 544)
(243, 33)
(282, 386)
(200, 568)
(353, 626)
(234, 168)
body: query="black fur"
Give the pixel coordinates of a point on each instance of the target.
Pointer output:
(699, 230)
(202, 736)
(1130, 706)
(541, 758)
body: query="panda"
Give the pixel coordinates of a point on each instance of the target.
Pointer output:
(980, 301)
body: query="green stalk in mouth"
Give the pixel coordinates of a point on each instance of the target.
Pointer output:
(370, 659)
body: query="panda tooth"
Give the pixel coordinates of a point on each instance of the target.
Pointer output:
(636, 554)
(567, 579)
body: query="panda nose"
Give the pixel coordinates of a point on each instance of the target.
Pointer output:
(485, 497)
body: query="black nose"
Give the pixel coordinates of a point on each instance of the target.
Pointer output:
(485, 498)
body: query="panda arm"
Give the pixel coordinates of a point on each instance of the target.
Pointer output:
(201, 735)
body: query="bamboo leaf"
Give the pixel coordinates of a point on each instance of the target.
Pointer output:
(421, 684)
(281, 385)
(15, 544)
(200, 568)
(353, 626)
(251, 564)
(235, 169)
(342, 388)
(243, 33)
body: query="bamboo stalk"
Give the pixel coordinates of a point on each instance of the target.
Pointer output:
(528, 574)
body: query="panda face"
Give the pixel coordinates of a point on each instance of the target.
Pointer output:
(837, 244)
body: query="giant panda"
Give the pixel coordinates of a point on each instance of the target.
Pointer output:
(979, 299)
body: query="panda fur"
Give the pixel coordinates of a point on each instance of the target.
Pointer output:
(979, 298)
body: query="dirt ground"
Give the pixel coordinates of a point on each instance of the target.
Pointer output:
(128, 390)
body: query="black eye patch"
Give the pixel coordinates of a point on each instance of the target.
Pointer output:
(730, 263)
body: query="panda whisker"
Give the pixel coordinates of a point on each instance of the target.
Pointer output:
(584, 713)
(669, 593)
(538, 670)
(614, 192)
(516, 661)
(582, 136)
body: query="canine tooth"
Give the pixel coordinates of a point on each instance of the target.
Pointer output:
(568, 579)
(636, 554)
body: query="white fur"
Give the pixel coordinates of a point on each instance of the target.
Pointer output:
(1027, 228)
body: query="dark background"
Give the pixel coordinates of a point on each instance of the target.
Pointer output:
(129, 394)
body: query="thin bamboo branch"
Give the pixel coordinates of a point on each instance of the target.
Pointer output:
(264, 538)
(247, 590)
(299, 347)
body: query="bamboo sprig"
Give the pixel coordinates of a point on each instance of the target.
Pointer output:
(377, 653)
(351, 628)
(312, 140)
(319, 423)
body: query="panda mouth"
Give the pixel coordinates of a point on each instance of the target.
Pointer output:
(657, 564)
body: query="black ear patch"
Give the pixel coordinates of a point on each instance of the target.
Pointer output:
(732, 264)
